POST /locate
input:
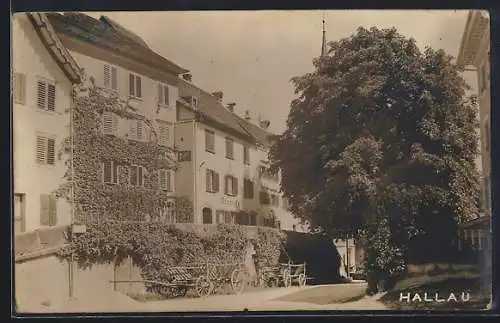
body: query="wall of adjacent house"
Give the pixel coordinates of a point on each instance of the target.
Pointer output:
(31, 179)
(184, 134)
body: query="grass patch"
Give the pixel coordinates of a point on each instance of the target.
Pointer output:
(480, 295)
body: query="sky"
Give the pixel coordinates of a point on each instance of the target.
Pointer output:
(252, 55)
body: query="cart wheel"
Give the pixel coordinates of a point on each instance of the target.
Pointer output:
(287, 279)
(302, 280)
(203, 286)
(238, 280)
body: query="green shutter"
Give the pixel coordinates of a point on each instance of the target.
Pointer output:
(44, 209)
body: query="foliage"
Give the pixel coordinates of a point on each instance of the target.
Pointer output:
(268, 247)
(382, 131)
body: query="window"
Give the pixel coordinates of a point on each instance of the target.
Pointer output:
(207, 215)
(19, 213)
(247, 188)
(163, 96)
(110, 77)
(165, 178)
(285, 203)
(45, 150)
(48, 210)
(209, 141)
(231, 185)
(163, 134)
(19, 88)
(246, 155)
(265, 173)
(46, 95)
(110, 172)
(275, 201)
(212, 181)
(136, 175)
(138, 130)
(109, 123)
(219, 216)
(135, 89)
(264, 198)
(229, 148)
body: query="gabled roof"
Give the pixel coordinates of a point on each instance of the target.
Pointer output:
(108, 34)
(51, 41)
(210, 107)
(477, 23)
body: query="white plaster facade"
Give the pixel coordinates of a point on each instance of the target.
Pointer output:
(33, 176)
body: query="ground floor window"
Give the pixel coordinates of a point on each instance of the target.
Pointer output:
(207, 215)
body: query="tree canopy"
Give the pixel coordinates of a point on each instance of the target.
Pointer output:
(380, 128)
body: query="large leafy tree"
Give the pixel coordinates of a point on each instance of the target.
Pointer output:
(381, 134)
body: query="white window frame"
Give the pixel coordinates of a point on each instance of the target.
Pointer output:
(229, 189)
(132, 87)
(108, 83)
(163, 100)
(42, 155)
(44, 106)
(114, 175)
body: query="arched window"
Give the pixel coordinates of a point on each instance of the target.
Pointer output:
(207, 215)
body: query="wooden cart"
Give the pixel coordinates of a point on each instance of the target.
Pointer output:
(294, 274)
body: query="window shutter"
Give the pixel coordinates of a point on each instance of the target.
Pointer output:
(19, 88)
(166, 95)
(208, 180)
(107, 76)
(51, 97)
(161, 179)
(138, 90)
(140, 175)
(235, 186)
(132, 133)
(52, 210)
(160, 94)
(133, 175)
(41, 95)
(216, 181)
(50, 151)
(106, 171)
(169, 181)
(131, 84)
(139, 130)
(116, 172)
(44, 209)
(107, 120)
(41, 150)
(114, 78)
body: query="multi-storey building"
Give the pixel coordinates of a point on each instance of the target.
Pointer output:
(224, 163)
(474, 55)
(119, 61)
(43, 73)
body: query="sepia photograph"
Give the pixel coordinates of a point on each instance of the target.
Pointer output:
(227, 161)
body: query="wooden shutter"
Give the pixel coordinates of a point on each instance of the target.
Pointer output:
(131, 84)
(208, 179)
(168, 176)
(235, 185)
(161, 179)
(107, 76)
(52, 210)
(138, 89)
(165, 95)
(132, 133)
(160, 94)
(140, 174)
(41, 150)
(107, 121)
(140, 132)
(44, 209)
(19, 88)
(51, 97)
(133, 175)
(114, 78)
(107, 169)
(50, 151)
(216, 182)
(41, 95)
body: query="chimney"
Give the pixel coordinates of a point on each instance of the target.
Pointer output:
(247, 116)
(219, 95)
(187, 77)
(230, 106)
(264, 124)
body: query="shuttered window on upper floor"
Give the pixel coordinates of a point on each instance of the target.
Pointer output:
(135, 86)
(19, 88)
(163, 95)
(45, 150)
(109, 123)
(163, 134)
(110, 77)
(46, 95)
